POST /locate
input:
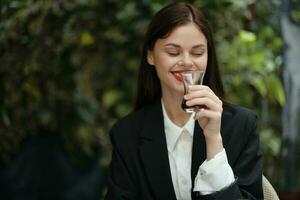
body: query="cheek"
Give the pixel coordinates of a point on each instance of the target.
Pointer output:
(202, 62)
(164, 62)
(163, 65)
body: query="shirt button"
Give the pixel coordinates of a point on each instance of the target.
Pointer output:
(202, 172)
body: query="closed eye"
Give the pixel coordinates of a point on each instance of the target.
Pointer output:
(197, 54)
(173, 54)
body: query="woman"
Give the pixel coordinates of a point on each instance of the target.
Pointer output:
(162, 152)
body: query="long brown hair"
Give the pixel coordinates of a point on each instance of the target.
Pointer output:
(163, 22)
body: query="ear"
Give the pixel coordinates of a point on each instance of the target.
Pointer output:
(150, 57)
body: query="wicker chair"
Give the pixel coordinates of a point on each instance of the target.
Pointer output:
(269, 191)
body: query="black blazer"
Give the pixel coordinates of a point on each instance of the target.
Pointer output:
(140, 166)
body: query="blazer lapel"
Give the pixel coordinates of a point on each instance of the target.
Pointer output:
(198, 152)
(154, 154)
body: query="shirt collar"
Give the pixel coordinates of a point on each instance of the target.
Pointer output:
(173, 131)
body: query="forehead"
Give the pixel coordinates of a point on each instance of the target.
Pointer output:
(184, 35)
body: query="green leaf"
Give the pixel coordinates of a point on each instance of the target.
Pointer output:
(31, 69)
(111, 97)
(128, 12)
(32, 89)
(87, 39)
(246, 36)
(276, 89)
(115, 35)
(295, 14)
(259, 84)
(271, 142)
(123, 109)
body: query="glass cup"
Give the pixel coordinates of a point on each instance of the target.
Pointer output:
(191, 77)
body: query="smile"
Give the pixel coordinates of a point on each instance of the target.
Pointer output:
(176, 74)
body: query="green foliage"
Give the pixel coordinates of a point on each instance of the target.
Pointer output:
(295, 11)
(69, 67)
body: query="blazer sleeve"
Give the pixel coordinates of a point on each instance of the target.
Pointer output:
(120, 186)
(247, 168)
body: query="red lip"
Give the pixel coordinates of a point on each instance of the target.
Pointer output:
(176, 74)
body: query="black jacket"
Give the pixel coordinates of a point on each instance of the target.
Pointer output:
(140, 166)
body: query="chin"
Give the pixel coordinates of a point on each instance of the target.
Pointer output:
(173, 86)
(178, 89)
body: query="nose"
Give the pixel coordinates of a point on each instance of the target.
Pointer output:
(186, 60)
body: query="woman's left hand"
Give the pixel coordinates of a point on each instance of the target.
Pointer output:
(210, 117)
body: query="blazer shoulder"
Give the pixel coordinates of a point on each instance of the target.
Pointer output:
(240, 119)
(240, 112)
(130, 125)
(130, 120)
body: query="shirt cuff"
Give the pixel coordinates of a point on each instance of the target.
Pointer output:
(214, 175)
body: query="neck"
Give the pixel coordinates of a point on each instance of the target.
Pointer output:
(172, 104)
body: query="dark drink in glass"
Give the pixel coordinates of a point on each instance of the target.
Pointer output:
(191, 77)
(190, 109)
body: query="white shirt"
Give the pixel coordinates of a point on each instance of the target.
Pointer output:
(213, 175)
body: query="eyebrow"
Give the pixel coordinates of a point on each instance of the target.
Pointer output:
(199, 46)
(178, 46)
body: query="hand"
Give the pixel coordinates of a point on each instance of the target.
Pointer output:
(209, 118)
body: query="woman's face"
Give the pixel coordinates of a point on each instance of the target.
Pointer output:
(185, 48)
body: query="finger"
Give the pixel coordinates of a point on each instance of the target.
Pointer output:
(193, 88)
(199, 87)
(203, 93)
(203, 121)
(204, 113)
(210, 104)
